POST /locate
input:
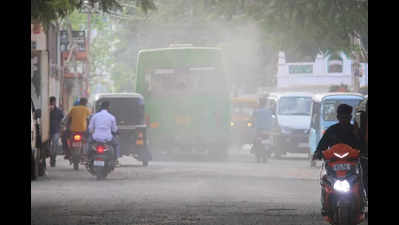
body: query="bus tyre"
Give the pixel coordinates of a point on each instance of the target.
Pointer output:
(145, 163)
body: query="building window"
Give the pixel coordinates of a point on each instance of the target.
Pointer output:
(293, 69)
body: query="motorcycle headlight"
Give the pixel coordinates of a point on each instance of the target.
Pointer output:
(342, 186)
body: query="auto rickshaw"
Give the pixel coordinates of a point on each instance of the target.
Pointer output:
(324, 114)
(128, 109)
(242, 129)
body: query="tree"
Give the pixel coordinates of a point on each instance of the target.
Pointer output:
(311, 26)
(46, 11)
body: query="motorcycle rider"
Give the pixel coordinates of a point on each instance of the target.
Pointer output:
(56, 117)
(342, 132)
(263, 118)
(101, 127)
(77, 119)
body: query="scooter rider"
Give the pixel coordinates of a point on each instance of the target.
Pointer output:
(342, 132)
(101, 127)
(77, 119)
(263, 120)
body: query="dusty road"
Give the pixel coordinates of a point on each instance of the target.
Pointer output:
(235, 192)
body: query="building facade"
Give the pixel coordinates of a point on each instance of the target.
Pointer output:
(318, 76)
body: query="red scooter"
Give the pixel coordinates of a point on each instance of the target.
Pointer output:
(76, 145)
(343, 193)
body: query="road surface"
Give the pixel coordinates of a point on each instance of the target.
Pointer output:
(183, 192)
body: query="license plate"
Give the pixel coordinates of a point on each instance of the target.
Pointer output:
(76, 144)
(98, 163)
(340, 167)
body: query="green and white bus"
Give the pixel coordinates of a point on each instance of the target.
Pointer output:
(187, 104)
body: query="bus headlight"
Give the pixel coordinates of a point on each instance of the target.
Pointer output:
(342, 186)
(250, 124)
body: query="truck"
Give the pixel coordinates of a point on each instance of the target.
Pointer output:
(40, 116)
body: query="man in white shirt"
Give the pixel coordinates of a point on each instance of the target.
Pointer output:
(102, 125)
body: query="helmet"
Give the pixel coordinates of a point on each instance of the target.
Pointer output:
(344, 109)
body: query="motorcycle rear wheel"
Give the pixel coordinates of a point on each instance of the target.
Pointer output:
(75, 160)
(100, 173)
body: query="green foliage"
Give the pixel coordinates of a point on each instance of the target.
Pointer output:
(301, 28)
(310, 26)
(46, 11)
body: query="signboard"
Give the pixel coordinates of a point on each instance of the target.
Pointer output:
(300, 69)
(38, 38)
(78, 37)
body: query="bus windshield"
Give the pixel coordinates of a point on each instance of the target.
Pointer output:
(295, 106)
(190, 80)
(330, 107)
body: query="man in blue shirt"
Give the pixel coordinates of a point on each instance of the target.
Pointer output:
(263, 117)
(56, 117)
(102, 125)
(263, 121)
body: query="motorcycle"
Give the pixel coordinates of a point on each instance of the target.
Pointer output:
(342, 186)
(261, 147)
(76, 145)
(101, 159)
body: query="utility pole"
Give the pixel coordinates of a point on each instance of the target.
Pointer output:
(88, 54)
(356, 65)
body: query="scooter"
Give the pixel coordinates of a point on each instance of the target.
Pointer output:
(342, 193)
(76, 145)
(261, 147)
(101, 160)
